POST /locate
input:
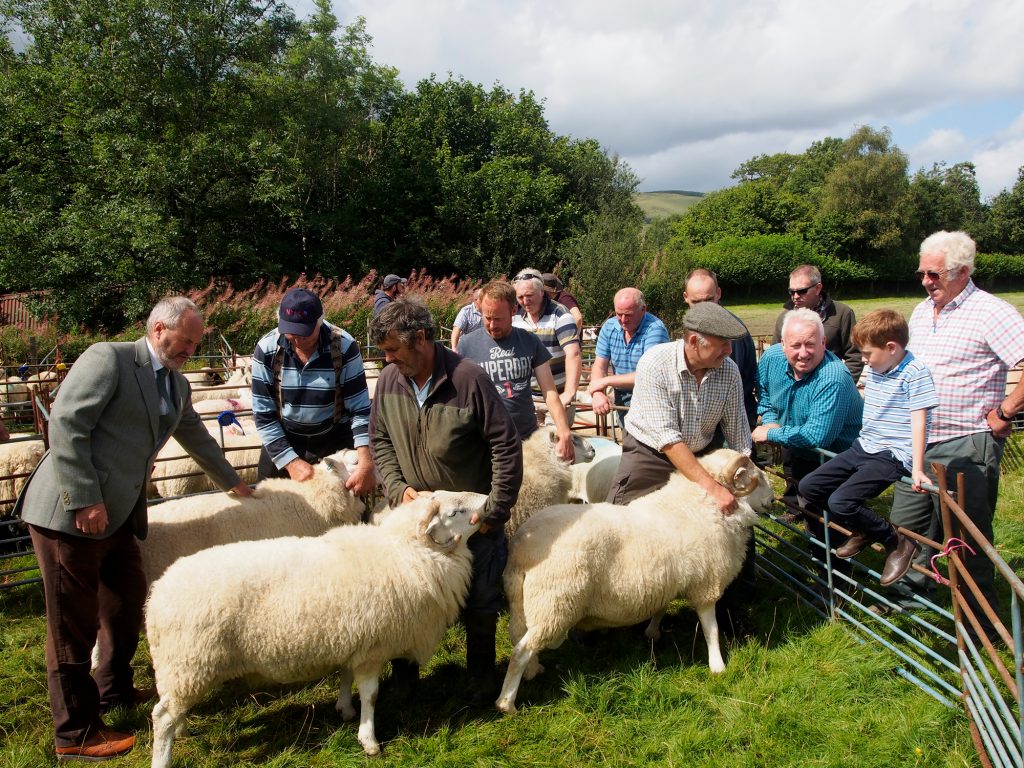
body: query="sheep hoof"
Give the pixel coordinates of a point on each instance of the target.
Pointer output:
(508, 707)
(372, 749)
(652, 634)
(717, 666)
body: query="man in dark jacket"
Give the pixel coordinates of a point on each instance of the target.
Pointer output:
(390, 289)
(438, 425)
(806, 291)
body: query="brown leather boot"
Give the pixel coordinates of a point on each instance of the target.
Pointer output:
(853, 546)
(899, 557)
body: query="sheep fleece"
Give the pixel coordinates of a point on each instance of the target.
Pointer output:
(293, 609)
(604, 565)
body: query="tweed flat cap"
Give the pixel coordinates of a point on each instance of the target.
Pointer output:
(712, 320)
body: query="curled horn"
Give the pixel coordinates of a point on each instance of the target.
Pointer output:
(432, 511)
(732, 472)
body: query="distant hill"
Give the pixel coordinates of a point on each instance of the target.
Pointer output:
(670, 202)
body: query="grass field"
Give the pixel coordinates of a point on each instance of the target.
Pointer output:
(659, 205)
(800, 692)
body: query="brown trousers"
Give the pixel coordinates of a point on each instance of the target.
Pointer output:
(94, 590)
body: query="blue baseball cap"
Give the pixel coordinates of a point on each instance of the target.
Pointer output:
(300, 309)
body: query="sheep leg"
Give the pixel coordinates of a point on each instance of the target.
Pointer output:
(344, 703)
(517, 664)
(709, 623)
(653, 631)
(367, 685)
(165, 725)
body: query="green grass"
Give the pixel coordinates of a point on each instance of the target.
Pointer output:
(660, 205)
(802, 693)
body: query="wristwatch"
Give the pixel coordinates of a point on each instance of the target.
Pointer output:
(1001, 415)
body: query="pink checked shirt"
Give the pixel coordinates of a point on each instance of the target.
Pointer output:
(976, 339)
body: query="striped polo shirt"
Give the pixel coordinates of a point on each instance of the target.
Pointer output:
(307, 393)
(556, 329)
(889, 399)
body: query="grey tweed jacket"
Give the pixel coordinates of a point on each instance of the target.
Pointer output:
(104, 435)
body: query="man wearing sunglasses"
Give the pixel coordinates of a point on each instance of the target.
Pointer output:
(806, 291)
(969, 339)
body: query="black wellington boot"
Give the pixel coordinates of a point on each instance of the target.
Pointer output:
(480, 632)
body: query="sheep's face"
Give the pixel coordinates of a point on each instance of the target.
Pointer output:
(584, 449)
(446, 520)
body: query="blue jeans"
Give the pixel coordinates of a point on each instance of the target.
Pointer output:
(845, 482)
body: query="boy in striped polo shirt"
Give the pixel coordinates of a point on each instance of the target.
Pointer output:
(898, 394)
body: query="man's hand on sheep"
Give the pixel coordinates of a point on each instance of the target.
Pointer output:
(564, 449)
(723, 497)
(477, 518)
(760, 434)
(299, 470)
(363, 479)
(91, 519)
(409, 494)
(242, 489)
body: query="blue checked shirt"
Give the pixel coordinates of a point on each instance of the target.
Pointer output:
(669, 406)
(612, 346)
(307, 393)
(821, 410)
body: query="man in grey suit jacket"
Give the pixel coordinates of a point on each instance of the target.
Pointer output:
(86, 506)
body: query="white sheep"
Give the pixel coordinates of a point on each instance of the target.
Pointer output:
(294, 609)
(175, 473)
(546, 478)
(592, 481)
(17, 457)
(220, 404)
(278, 507)
(606, 565)
(13, 393)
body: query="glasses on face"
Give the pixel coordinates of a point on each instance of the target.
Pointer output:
(932, 275)
(801, 291)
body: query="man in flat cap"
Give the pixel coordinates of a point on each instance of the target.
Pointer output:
(684, 390)
(390, 289)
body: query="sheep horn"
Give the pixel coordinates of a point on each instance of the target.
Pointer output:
(432, 511)
(734, 470)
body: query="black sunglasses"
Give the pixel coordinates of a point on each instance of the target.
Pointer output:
(920, 274)
(801, 291)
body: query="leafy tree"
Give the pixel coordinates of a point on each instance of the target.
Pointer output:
(947, 198)
(865, 207)
(1006, 219)
(750, 208)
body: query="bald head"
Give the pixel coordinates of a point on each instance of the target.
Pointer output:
(629, 308)
(701, 286)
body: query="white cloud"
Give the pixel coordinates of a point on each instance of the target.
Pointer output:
(678, 86)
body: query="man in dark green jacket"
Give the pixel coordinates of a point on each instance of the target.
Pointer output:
(438, 425)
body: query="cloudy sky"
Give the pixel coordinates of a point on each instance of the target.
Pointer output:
(686, 90)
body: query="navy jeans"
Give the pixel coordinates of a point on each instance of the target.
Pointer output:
(845, 482)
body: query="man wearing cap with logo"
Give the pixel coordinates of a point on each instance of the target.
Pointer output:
(390, 289)
(555, 290)
(309, 395)
(684, 390)
(86, 506)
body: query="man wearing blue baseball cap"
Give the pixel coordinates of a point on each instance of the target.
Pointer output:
(309, 395)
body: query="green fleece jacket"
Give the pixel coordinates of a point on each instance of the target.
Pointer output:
(461, 440)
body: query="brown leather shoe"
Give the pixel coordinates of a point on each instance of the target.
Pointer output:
(899, 557)
(853, 546)
(98, 747)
